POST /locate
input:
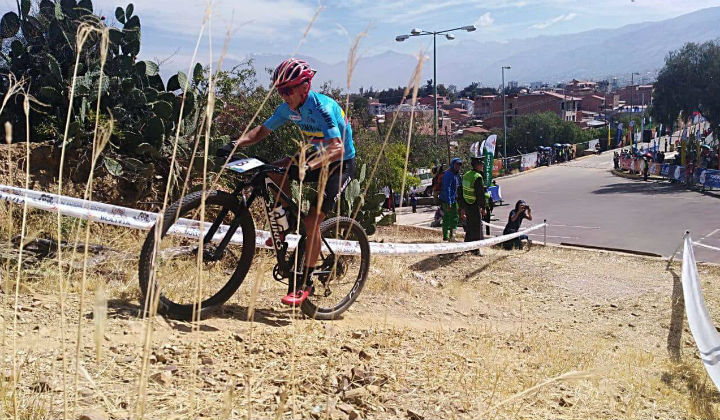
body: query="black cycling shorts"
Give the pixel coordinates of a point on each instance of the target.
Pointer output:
(336, 182)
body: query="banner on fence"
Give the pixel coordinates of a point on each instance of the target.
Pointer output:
(497, 166)
(625, 163)
(679, 173)
(655, 169)
(665, 170)
(528, 161)
(710, 178)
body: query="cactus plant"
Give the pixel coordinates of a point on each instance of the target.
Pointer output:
(42, 49)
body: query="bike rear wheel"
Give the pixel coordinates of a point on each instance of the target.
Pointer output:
(338, 279)
(188, 277)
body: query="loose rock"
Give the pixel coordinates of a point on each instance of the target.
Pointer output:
(41, 386)
(413, 415)
(163, 378)
(93, 415)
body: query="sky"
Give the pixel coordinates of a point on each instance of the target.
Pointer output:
(170, 28)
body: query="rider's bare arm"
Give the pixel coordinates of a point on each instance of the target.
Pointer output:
(334, 151)
(253, 136)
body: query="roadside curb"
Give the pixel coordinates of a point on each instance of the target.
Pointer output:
(622, 174)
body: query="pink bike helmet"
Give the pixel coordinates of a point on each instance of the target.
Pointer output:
(292, 72)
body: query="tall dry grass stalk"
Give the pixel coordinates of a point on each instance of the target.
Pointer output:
(14, 87)
(23, 230)
(414, 80)
(565, 377)
(102, 137)
(416, 86)
(151, 300)
(83, 33)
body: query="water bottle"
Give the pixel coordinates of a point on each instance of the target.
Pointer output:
(280, 216)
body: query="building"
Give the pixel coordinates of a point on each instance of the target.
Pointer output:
(466, 104)
(483, 105)
(593, 103)
(459, 116)
(376, 108)
(636, 94)
(423, 117)
(473, 130)
(429, 100)
(581, 87)
(565, 106)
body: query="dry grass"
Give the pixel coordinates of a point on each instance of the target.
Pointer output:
(498, 326)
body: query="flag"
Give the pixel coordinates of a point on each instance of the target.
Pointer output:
(488, 151)
(476, 149)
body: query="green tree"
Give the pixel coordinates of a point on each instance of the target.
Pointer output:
(544, 129)
(687, 83)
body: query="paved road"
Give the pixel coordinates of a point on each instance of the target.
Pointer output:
(586, 204)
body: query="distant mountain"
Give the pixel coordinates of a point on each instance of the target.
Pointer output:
(593, 54)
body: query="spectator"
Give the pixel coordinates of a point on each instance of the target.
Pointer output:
(521, 211)
(645, 168)
(413, 201)
(616, 160)
(473, 201)
(448, 199)
(437, 180)
(437, 218)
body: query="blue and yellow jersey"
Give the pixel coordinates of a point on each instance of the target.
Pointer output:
(320, 118)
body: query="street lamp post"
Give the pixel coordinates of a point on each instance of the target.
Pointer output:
(632, 109)
(449, 36)
(504, 119)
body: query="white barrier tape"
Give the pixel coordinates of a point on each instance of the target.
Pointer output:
(701, 325)
(137, 219)
(493, 226)
(706, 246)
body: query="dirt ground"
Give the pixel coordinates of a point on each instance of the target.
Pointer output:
(549, 332)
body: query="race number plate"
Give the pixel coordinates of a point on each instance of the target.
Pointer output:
(244, 165)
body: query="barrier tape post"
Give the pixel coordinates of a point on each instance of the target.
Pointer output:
(545, 233)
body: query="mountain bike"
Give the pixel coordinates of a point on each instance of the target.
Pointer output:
(187, 275)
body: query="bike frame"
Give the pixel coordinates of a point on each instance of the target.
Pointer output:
(266, 190)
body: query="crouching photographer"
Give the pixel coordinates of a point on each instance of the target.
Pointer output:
(521, 211)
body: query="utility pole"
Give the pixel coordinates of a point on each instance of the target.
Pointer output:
(632, 110)
(450, 37)
(504, 118)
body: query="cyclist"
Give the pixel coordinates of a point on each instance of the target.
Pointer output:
(324, 123)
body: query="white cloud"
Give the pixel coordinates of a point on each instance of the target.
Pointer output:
(485, 20)
(245, 17)
(561, 18)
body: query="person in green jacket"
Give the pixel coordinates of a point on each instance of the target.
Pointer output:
(473, 201)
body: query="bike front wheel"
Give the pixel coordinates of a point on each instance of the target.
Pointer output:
(339, 277)
(187, 276)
